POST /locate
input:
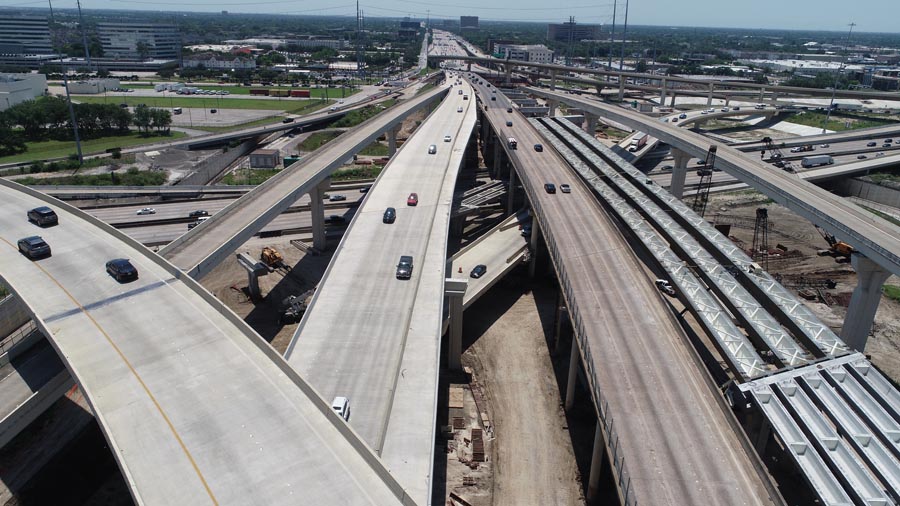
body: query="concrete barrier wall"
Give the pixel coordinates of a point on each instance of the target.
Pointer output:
(869, 191)
(13, 314)
(208, 169)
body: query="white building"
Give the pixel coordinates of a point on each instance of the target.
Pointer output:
(93, 86)
(313, 43)
(139, 41)
(221, 63)
(536, 53)
(18, 88)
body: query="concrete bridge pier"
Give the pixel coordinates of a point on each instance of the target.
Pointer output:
(455, 289)
(662, 89)
(552, 80)
(574, 364)
(599, 460)
(621, 90)
(552, 105)
(709, 95)
(672, 103)
(511, 192)
(533, 245)
(762, 94)
(864, 302)
(392, 140)
(562, 313)
(507, 71)
(496, 162)
(469, 67)
(317, 209)
(676, 188)
(590, 123)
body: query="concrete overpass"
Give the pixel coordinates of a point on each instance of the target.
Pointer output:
(663, 427)
(877, 240)
(195, 406)
(200, 250)
(373, 338)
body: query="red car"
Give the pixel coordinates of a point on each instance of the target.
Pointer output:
(413, 199)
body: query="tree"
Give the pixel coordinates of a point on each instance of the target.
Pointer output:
(142, 119)
(161, 119)
(143, 50)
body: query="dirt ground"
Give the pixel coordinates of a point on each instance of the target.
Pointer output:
(799, 234)
(506, 339)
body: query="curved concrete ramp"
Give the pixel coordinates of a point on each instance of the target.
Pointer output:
(196, 407)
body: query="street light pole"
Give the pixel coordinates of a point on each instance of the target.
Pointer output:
(836, 76)
(68, 97)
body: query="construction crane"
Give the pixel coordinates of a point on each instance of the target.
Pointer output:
(701, 197)
(840, 250)
(776, 157)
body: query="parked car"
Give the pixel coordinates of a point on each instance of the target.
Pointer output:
(550, 188)
(665, 287)
(198, 213)
(390, 215)
(565, 188)
(336, 198)
(478, 271)
(413, 199)
(405, 267)
(146, 210)
(538, 148)
(121, 269)
(341, 406)
(34, 247)
(43, 216)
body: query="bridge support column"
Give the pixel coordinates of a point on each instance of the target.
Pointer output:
(562, 314)
(508, 72)
(496, 164)
(676, 187)
(552, 105)
(762, 94)
(469, 67)
(662, 91)
(392, 140)
(455, 289)
(255, 269)
(534, 243)
(621, 90)
(590, 124)
(573, 375)
(598, 458)
(709, 95)
(672, 104)
(552, 80)
(511, 193)
(317, 210)
(864, 302)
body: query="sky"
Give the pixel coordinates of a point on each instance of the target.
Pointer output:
(830, 15)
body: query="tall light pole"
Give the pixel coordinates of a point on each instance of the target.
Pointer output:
(87, 51)
(624, 32)
(68, 97)
(836, 76)
(612, 32)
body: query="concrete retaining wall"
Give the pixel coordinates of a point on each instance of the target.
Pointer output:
(869, 191)
(13, 314)
(207, 170)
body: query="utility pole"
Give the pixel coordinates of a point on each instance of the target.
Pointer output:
(87, 51)
(836, 77)
(571, 37)
(359, 48)
(611, 35)
(624, 32)
(65, 73)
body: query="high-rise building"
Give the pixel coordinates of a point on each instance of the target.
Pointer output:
(139, 41)
(21, 35)
(561, 31)
(468, 21)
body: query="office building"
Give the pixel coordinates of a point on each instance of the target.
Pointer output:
(24, 35)
(219, 63)
(535, 53)
(139, 41)
(468, 21)
(561, 31)
(18, 88)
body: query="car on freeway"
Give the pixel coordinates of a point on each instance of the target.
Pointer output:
(888, 141)
(871, 144)
(704, 172)
(335, 219)
(34, 247)
(736, 108)
(674, 120)
(703, 112)
(198, 221)
(459, 109)
(826, 145)
(861, 157)
(538, 147)
(432, 149)
(701, 162)
(665, 287)
(390, 215)
(509, 123)
(43, 216)
(121, 270)
(287, 120)
(682, 116)
(405, 267)
(478, 271)
(509, 109)
(565, 188)
(550, 187)
(413, 199)
(667, 168)
(725, 109)
(146, 210)
(878, 154)
(887, 145)
(341, 406)
(336, 198)
(365, 189)
(796, 150)
(493, 99)
(447, 138)
(198, 213)
(460, 92)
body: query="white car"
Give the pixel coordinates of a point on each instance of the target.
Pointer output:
(447, 138)
(665, 287)
(146, 210)
(341, 406)
(459, 109)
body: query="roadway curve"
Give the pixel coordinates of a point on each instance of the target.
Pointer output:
(195, 406)
(876, 238)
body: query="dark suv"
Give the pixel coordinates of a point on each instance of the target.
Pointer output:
(405, 267)
(43, 216)
(121, 269)
(390, 214)
(198, 213)
(34, 247)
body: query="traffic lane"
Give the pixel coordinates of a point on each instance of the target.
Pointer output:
(151, 380)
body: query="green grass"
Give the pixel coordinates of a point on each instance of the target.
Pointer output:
(353, 118)
(132, 177)
(884, 177)
(357, 172)
(249, 176)
(425, 88)
(838, 121)
(45, 150)
(375, 149)
(317, 140)
(249, 124)
(293, 105)
(892, 292)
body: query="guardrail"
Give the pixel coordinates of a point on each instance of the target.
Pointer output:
(17, 337)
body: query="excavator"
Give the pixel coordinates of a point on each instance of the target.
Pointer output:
(840, 250)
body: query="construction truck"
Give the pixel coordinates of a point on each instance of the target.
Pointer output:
(840, 250)
(273, 259)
